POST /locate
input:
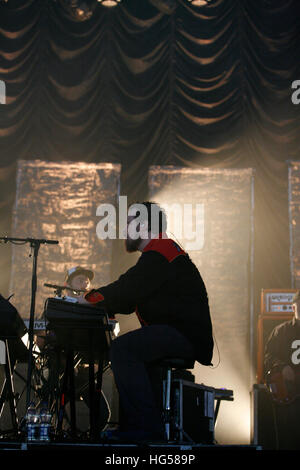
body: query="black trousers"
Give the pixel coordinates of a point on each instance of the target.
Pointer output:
(131, 355)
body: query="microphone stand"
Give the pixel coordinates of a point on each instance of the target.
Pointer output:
(35, 244)
(59, 289)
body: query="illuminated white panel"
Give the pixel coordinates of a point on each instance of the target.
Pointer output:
(221, 245)
(58, 201)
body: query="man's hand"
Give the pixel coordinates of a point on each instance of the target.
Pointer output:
(82, 300)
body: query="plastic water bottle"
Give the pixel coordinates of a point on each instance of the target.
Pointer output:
(45, 423)
(32, 419)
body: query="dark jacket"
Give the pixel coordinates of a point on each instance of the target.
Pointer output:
(165, 287)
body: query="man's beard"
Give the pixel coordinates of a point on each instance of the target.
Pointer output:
(132, 245)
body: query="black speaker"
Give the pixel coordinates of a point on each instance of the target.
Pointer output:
(263, 429)
(276, 307)
(266, 324)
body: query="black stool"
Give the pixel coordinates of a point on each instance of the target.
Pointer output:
(170, 365)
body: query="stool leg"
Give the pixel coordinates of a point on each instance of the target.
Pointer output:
(167, 404)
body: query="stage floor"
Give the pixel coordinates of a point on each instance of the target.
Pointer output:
(162, 449)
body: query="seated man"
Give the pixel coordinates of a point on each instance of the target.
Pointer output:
(167, 293)
(79, 279)
(282, 373)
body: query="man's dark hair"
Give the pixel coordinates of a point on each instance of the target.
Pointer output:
(158, 222)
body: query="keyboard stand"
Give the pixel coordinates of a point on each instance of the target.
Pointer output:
(86, 331)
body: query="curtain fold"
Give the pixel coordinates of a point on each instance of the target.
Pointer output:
(143, 84)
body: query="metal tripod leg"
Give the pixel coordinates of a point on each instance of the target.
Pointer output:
(8, 393)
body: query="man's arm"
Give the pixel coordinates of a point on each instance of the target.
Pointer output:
(139, 282)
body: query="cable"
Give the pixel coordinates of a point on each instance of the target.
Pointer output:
(215, 341)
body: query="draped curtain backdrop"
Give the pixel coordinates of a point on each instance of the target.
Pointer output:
(156, 83)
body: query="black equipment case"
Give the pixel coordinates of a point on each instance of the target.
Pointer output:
(193, 410)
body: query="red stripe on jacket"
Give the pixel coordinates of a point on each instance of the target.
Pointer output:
(166, 247)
